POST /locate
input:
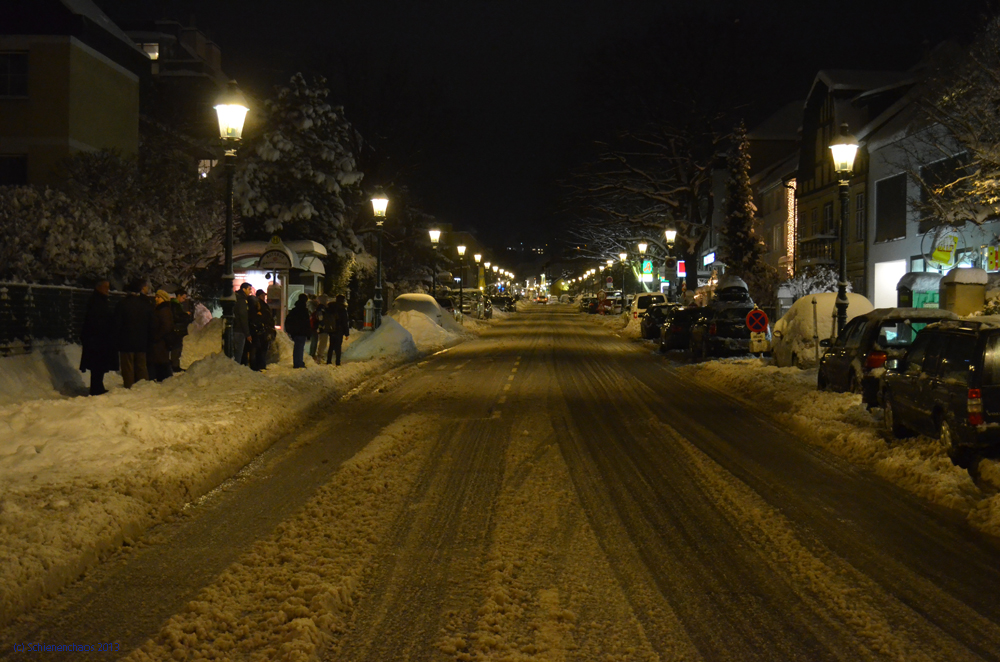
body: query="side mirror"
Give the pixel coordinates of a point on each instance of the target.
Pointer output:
(825, 342)
(778, 334)
(892, 364)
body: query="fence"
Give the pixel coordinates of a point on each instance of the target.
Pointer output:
(36, 316)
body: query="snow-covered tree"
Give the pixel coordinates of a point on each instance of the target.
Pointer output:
(742, 249)
(298, 175)
(46, 237)
(813, 280)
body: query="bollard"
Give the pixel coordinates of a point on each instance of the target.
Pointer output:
(369, 316)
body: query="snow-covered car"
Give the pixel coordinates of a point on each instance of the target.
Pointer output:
(792, 339)
(423, 303)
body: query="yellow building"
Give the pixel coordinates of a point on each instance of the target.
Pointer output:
(68, 83)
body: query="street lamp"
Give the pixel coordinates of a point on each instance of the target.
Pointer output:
(461, 283)
(231, 109)
(671, 235)
(435, 238)
(622, 256)
(844, 150)
(379, 205)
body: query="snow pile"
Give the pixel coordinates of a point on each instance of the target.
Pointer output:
(425, 333)
(966, 276)
(80, 475)
(840, 423)
(388, 339)
(793, 334)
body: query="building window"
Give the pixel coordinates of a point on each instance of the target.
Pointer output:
(814, 221)
(859, 217)
(828, 218)
(890, 208)
(13, 74)
(152, 51)
(13, 169)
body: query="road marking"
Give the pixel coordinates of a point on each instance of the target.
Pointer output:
(513, 369)
(503, 399)
(510, 378)
(496, 414)
(506, 387)
(461, 365)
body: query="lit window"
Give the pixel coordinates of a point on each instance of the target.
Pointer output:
(13, 74)
(205, 166)
(152, 51)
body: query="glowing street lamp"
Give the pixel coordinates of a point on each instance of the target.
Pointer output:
(379, 204)
(461, 282)
(843, 150)
(642, 247)
(435, 236)
(231, 108)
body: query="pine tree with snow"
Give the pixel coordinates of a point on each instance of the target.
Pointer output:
(298, 175)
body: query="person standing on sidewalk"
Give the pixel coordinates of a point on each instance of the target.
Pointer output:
(297, 326)
(265, 322)
(98, 338)
(341, 327)
(181, 310)
(241, 321)
(133, 323)
(161, 338)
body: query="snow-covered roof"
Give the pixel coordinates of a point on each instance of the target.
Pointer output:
(966, 275)
(89, 10)
(919, 281)
(848, 79)
(909, 313)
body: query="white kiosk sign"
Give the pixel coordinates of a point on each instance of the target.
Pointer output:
(275, 260)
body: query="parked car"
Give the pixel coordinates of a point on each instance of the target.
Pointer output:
(722, 331)
(641, 302)
(505, 304)
(584, 302)
(612, 304)
(853, 362)
(792, 342)
(948, 386)
(541, 298)
(676, 331)
(423, 303)
(653, 318)
(446, 303)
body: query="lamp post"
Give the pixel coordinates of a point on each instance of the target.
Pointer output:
(231, 109)
(461, 282)
(496, 270)
(844, 150)
(435, 238)
(622, 257)
(642, 262)
(609, 263)
(670, 234)
(379, 205)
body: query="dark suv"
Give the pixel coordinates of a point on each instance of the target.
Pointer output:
(722, 330)
(948, 385)
(676, 330)
(853, 361)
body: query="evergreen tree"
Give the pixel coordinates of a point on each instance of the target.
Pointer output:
(298, 174)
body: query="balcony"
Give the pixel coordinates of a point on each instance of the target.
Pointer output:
(819, 249)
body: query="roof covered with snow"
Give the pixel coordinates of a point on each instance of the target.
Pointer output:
(92, 12)
(966, 276)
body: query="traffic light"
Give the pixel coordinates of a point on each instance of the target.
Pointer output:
(671, 263)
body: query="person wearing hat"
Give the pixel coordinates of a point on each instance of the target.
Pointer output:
(133, 320)
(161, 338)
(241, 321)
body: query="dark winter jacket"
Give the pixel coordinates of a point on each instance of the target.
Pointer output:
(133, 323)
(253, 317)
(265, 319)
(163, 334)
(181, 320)
(297, 321)
(98, 336)
(241, 314)
(338, 320)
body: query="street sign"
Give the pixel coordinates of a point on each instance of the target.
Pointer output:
(758, 343)
(757, 321)
(611, 283)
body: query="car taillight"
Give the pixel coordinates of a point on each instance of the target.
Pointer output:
(635, 316)
(875, 360)
(975, 406)
(712, 329)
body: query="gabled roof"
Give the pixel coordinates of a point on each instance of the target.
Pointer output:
(860, 81)
(782, 125)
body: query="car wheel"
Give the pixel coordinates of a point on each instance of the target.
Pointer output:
(821, 382)
(892, 425)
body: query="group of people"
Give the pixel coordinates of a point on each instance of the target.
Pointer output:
(143, 337)
(325, 321)
(253, 327)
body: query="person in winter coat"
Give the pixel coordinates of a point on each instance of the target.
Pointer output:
(253, 313)
(241, 321)
(180, 307)
(161, 338)
(98, 338)
(297, 326)
(265, 322)
(340, 327)
(133, 322)
(322, 325)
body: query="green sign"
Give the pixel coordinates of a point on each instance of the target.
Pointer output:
(647, 267)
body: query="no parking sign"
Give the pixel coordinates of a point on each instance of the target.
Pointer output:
(757, 324)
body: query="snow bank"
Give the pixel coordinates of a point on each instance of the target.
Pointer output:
(80, 475)
(840, 423)
(793, 334)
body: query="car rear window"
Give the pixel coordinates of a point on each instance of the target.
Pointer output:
(647, 300)
(733, 315)
(956, 357)
(899, 333)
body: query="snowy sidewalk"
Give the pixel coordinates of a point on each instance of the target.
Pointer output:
(79, 476)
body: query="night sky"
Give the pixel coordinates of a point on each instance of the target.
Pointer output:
(482, 106)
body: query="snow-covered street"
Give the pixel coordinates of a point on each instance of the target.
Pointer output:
(553, 489)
